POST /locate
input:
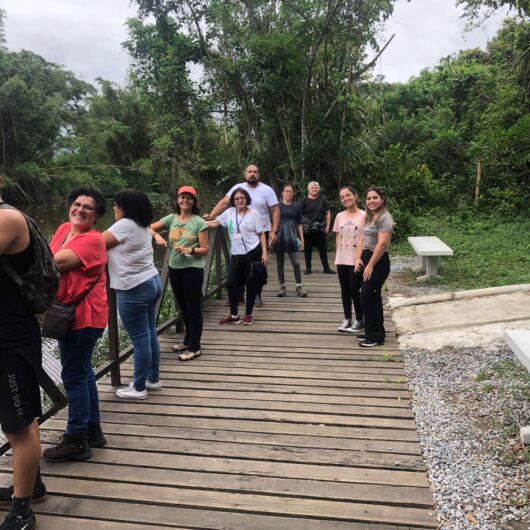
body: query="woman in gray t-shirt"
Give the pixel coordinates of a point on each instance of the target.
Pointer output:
(372, 259)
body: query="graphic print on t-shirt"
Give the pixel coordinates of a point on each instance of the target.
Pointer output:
(348, 235)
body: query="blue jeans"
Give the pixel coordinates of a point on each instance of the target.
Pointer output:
(78, 378)
(137, 312)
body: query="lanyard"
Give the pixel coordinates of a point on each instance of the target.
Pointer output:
(238, 224)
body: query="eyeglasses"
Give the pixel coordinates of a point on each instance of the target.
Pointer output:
(84, 207)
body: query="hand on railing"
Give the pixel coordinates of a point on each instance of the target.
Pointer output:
(159, 240)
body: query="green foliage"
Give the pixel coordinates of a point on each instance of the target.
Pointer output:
(489, 250)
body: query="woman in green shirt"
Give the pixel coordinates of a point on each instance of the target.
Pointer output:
(188, 242)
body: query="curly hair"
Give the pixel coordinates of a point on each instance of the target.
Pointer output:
(244, 192)
(88, 191)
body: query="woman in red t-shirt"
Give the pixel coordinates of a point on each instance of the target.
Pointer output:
(80, 254)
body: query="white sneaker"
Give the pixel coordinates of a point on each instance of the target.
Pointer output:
(346, 325)
(153, 386)
(129, 392)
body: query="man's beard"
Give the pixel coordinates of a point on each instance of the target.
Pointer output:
(252, 181)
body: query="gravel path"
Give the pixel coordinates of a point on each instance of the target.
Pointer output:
(469, 404)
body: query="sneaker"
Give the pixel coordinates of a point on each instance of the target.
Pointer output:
(179, 347)
(329, 271)
(248, 320)
(14, 521)
(345, 326)
(307, 271)
(189, 355)
(129, 392)
(367, 343)
(149, 385)
(95, 435)
(357, 326)
(258, 302)
(283, 291)
(70, 448)
(300, 290)
(39, 494)
(230, 320)
(360, 338)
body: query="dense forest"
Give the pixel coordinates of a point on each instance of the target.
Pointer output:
(286, 85)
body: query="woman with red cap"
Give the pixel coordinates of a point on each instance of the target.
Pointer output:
(188, 242)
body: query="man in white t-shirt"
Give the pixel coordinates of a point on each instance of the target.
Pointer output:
(264, 201)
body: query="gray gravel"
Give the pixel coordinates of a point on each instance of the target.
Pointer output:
(469, 405)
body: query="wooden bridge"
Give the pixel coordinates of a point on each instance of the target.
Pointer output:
(284, 425)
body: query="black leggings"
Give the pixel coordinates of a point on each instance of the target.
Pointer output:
(371, 300)
(187, 288)
(350, 285)
(315, 239)
(239, 276)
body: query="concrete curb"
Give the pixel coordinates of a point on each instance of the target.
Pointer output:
(458, 295)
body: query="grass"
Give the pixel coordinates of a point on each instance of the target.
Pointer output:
(488, 250)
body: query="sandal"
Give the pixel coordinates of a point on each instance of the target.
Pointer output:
(189, 355)
(179, 347)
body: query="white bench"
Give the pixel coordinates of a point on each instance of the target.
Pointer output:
(429, 249)
(519, 342)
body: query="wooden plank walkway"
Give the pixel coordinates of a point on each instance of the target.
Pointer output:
(286, 424)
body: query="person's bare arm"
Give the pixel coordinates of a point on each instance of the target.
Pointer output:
(110, 240)
(301, 235)
(264, 254)
(14, 234)
(66, 259)
(199, 251)
(328, 221)
(275, 214)
(218, 209)
(154, 229)
(383, 241)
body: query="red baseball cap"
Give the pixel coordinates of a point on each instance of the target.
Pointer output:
(187, 189)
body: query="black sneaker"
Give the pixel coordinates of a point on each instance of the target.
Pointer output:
(39, 495)
(13, 521)
(71, 447)
(95, 435)
(367, 343)
(307, 271)
(360, 338)
(329, 271)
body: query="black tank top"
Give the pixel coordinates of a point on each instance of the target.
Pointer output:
(16, 320)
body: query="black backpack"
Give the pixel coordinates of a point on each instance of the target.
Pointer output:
(38, 286)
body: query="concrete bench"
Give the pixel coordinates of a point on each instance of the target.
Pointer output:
(429, 249)
(519, 342)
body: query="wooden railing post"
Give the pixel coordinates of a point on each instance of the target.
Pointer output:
(114, 339)
(218, 267)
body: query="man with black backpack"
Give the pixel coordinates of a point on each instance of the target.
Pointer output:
(20, 365)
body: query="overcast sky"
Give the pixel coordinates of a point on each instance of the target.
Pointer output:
(85, 36)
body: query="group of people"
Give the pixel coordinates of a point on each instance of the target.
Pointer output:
(255, 221)
(81, 254)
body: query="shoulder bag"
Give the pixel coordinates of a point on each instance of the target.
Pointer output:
(60, 318)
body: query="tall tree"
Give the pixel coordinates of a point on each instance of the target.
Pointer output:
(282, 75)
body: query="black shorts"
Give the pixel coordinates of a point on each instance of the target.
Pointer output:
(20, 366)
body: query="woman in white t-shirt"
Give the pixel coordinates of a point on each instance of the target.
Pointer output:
(135, 278)
(248, 244)
(347, 228)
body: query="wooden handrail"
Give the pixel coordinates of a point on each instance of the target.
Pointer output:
(217, 250)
